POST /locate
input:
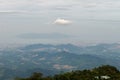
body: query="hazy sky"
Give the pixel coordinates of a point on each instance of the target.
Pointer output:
(34, 21)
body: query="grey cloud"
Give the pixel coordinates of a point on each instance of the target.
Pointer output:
(60, 4)
(61, 8)
(13, 12)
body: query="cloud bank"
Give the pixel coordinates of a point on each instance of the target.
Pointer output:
(31, 5)
(43, 36)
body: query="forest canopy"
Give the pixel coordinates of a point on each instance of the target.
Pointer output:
(105, 72)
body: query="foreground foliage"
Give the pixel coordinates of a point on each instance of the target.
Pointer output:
(105, 72)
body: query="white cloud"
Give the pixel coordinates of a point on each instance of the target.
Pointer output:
(62, 21)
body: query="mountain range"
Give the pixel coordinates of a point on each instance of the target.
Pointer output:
(51, 59)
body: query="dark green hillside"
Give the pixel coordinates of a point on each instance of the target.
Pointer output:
(105, 72)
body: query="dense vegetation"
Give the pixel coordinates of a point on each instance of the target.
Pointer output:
(105, 72)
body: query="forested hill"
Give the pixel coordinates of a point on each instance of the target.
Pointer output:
(105, 72)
